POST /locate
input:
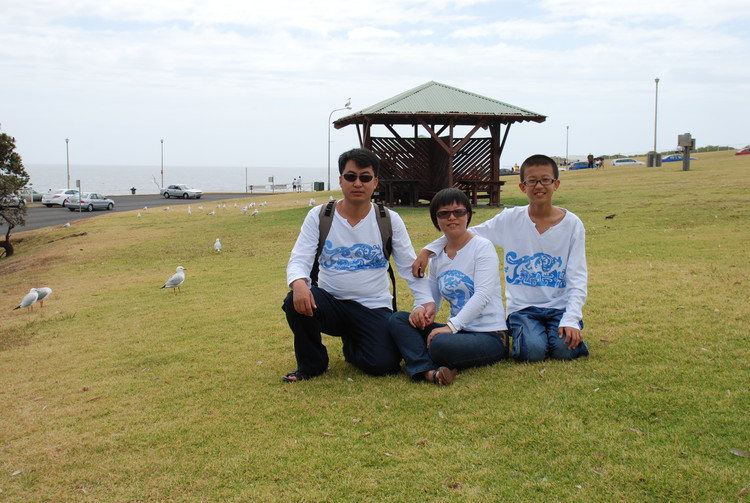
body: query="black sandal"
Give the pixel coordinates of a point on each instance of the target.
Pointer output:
(296, 376)
(444, 376)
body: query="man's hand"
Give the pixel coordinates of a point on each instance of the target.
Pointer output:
(419, 266)
(439, 330)
(572, 335)
(304, 302)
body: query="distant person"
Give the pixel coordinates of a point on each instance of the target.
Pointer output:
(299, 184)
(465, 273)
(352, 299)
(294, 185)
(591, 160)
(545, 267)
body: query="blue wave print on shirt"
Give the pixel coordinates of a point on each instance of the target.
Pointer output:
(457, 288)
(539, 269)
(352, 258)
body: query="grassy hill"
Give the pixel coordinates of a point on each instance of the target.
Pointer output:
(119, 391)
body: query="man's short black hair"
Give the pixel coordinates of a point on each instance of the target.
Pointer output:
(362, 157)
(447, 197)
(540, 160)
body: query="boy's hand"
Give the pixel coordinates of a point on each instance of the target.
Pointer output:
(419, 266)
(572, 335)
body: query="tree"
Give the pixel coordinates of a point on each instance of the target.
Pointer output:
(13, 177)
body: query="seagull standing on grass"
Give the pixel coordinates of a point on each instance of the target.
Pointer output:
(190, 212)
(28, 300)
(43, 293)
(217, 245)
(176, 280)
(255, 212)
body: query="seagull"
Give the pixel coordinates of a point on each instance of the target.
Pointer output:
(176, 280)
(613, 215)
(190, 212)
(67, 224)
(28, 300)
(217, 245)
(139, 214)
(145, 207)
(166, 208)
(311, 202)
(252, 205)
(330, 198)
(255, 212)
(200, 207)
(43, 293)
(213, 212)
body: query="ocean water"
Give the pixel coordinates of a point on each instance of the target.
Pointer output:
(117, 180)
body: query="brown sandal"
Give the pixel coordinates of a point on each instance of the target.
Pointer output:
(444, 376)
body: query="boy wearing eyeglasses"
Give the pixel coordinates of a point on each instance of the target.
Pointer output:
(352, 299)
(545, 269)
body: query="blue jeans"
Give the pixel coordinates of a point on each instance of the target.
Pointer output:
(535, 336)
(363, 331)
(461, 350)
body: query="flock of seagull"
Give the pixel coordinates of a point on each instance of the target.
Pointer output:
(174, 282)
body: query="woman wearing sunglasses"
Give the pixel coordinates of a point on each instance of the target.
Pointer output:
(466, 273)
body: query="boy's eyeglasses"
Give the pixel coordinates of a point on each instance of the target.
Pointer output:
(458, 213)
(543, 181)
(363, 177)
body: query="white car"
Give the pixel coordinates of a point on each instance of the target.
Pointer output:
(59, 197)
(181, 190)
(625, 161)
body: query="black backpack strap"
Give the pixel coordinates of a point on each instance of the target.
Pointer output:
(386, 235)
(324, 227)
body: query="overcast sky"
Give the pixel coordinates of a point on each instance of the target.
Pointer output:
(250, 83)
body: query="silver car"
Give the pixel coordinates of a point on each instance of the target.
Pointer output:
(59, 197)
(90, 201)
(181, 190)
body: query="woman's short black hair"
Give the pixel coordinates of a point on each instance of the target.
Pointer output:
(447, 197)
(362, 157)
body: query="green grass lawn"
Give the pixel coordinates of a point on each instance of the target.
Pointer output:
(119, 391)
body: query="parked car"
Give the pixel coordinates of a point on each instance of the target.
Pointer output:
(675, 157)
(59, 197)
(743, 151)
(90, 201)
(12, 201)
(625, 161)
(578, 165)
(181, 190)
(31, 195)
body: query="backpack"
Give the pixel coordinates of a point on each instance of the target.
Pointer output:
(386, 235)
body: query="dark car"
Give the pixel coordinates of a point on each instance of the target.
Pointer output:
(675, 157)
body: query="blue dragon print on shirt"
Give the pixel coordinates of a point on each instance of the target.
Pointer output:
(457, 288)
(539, 269)
(352, 258)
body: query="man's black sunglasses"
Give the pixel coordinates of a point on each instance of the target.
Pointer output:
(363, 177)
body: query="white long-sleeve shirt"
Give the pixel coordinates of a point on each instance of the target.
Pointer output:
(352, 263)
(470, 282)
(543, 270)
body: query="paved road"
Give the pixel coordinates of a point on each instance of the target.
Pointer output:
(41, 216)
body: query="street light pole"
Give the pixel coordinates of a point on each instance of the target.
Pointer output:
(656, 108)
(567, 130)
(162, 163)
(67, 158)
(347, 106)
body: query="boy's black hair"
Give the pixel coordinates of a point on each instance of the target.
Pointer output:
(446, 197)
(539, 160)
(362, 157)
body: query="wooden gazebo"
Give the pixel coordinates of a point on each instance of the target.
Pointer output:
(416, 167)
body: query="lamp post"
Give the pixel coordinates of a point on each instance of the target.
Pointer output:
(67, 158)
(656, 108)
(347, 106)
(567, 130)
(162, 163)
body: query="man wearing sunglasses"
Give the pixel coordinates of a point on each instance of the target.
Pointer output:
(352, 299)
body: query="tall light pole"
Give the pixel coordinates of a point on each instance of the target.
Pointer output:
(656, 108)
(567, 130)
(162, 163)
(67, 158)
(347, 106)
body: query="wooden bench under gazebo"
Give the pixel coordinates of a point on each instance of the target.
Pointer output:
(417, 166)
